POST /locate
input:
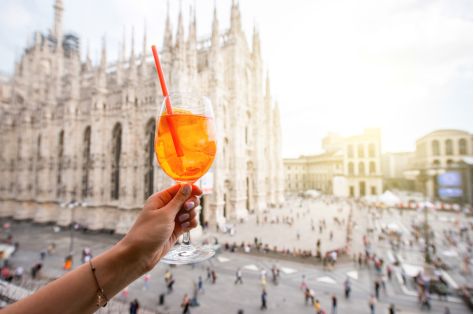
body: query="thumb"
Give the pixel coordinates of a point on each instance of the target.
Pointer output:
(180, 197)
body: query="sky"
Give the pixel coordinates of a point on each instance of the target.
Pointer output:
(404, 66)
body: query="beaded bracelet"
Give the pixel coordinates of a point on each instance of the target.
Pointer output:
(101, 297)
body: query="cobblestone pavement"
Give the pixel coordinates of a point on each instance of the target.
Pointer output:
(224, 296)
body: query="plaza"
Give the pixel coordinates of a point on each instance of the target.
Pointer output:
(285, 297)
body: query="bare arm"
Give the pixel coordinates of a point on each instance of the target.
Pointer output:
(155, 231)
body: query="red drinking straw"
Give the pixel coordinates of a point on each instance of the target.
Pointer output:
(176, 141)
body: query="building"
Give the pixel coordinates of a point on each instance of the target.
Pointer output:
(72, 130)
(350, 166)
(440, 152)
(362, 164)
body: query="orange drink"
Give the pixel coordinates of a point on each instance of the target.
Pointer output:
(197, 140)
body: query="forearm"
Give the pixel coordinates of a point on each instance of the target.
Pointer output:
(76, 292)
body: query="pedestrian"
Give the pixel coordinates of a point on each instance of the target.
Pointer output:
(185, 304)
(317, 307)
(307, 295)
(170, 285)
(425, 302)
(146, 279)
(389, 272)
(376, 288)
(264, 300)
(303, 284)
(347, 288)
(134, 306)
(194, 299)
(208, 274)
(446, 310)
(19, 273)
(200, 285)
(213, 277)
(334, 303)
(125, 293)
(392, 309)
(372, 304)
(238, 276)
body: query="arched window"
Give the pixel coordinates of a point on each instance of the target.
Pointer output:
(436, 163)
(462, 146)
(372, 150)
(361, 168)
(115, 167)
(60, 164)
(360, 150)
(351, 168)
(350, 151)
(450, 163)
(435, 148)
(372, 167)
(449, 149)
(149, 150)
(86, 162)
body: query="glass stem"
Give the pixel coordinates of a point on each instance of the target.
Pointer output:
(186, 238)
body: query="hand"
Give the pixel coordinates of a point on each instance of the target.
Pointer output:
(166, 215)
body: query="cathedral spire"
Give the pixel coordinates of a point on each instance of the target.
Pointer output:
(132, 67)
(215, 28)
(88, 63)
(168, 37)
(268, 85)
(192, 27)
(180, 36)
(235, 17)
(256, 43)
(143, 63)
(103, 64)
(58, 22)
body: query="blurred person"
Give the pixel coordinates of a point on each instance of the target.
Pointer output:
(334, 304)
(213, 277)
(146, 279)
(372, 304)
(185, 304)
(134, 306)
(238, 276)
(264, 300)
(200, 285)
(347, 286)
(392, 309)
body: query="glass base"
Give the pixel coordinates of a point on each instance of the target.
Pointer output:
(187, 254)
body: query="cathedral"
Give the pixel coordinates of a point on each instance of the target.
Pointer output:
(73, 131)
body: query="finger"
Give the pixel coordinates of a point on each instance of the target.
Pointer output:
(187, 226)
(162, 198)
(183, 217)
(191, 203)
(179, 199)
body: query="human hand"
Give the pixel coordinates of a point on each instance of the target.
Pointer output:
(165, 216)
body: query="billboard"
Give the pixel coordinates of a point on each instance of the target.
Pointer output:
(450, 185)
(450, 178)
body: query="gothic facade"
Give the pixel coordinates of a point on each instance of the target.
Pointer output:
(72, 130)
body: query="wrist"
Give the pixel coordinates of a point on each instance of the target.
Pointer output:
(131, 258)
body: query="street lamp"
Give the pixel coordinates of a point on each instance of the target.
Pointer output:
(72, 205)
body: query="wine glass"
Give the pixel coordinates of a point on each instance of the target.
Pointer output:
(185, 146)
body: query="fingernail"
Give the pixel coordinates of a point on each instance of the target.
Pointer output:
(186, 189)
(183, 217)
(186, 224)
(189, 205)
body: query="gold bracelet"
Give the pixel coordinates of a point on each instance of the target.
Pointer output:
(101, 297)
